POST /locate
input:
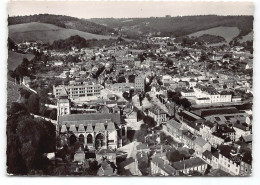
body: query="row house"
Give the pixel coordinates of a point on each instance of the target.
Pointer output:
(160, 167)
(191, 122)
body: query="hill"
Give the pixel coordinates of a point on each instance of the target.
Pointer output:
(47, 33)
(228, 33)
(177, 26)
(63, 22)
(15, 59)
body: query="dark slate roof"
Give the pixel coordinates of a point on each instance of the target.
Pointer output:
(207, 154)
(215, 111)
(189, 163)
(89, 117)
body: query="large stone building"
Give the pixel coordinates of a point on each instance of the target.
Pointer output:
(208, 94)
(78, 89)
(93, 130)
(140, 83)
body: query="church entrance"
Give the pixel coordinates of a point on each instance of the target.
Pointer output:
(100, 141)
(81, 139)
(73, 139)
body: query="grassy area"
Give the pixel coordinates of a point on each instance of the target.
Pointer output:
(15, 59)
(46, 32)
(226, 32)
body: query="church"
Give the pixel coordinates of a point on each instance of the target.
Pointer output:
(93, 130)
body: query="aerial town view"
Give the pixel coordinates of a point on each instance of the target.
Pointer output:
(119, 96)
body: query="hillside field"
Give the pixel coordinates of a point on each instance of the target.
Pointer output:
(228, 33)
(247, 37)
(15, 59)
(46, 32)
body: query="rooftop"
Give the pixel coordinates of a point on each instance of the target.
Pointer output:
(188, 163)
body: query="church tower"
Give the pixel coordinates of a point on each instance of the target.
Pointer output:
(63, 103)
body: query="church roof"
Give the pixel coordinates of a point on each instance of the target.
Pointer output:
(89, 118)
(63, 92)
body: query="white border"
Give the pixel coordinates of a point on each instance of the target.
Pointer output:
(255, 179)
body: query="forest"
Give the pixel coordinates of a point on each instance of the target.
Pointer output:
(181, 25)
(64, 22)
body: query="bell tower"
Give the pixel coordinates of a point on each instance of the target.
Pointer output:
(63, 103)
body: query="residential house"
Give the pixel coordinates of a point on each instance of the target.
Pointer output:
(157, 114)
(229, 159)
(160, 167)
(173, 127)
(188, 138)
(200, 146)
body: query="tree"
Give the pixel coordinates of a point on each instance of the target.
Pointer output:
(24, 93)
(53, 114)
(25, 62)
(11, 45)
(174, 156)
(33, 104)
(149, 121)
(169, 62)
(162, 137)
(93, 168)
(185, 103)
(131, 78)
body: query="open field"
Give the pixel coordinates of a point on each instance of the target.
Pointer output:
(47, 33)
(228, 33)
(15, 59)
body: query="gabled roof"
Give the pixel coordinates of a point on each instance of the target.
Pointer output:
(165, 167)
